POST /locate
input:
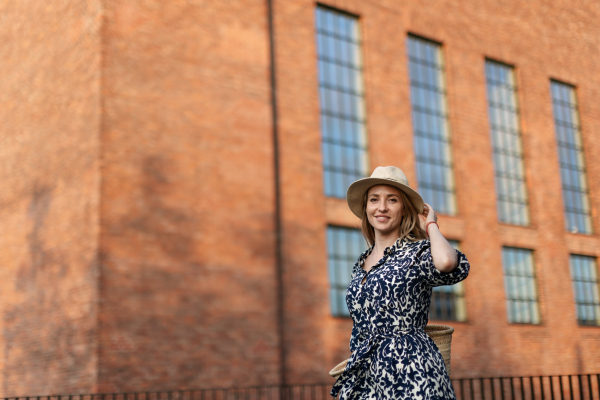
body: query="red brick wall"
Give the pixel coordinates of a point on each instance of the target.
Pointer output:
(49, 124)
(543, 40)
(187, 243)
(139, 133)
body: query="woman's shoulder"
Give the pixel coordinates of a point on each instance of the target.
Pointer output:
(419, 244)
(406, 247)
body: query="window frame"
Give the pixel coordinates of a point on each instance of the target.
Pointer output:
(595, 306)
(533, 277)
(442, 193)
(344, 137)
(458, 290)
(586, 218)
(338, 308)
(504, 204)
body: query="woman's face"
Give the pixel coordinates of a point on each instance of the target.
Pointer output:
(384, 208)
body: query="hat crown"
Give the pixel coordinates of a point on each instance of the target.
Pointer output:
(391, 173)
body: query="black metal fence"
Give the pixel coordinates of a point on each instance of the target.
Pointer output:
(564, 387)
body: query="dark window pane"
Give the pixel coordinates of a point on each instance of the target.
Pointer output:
(571, 160)
(584, 274)
(342, 101)
(511, 192)
(447, 302)
(344, 245)
(432, 138)
(520, 286)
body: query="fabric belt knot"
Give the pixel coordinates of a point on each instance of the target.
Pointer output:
(357, 363)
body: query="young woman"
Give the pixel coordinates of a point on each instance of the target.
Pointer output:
(390, 291)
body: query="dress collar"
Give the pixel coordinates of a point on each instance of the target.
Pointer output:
(398, 245)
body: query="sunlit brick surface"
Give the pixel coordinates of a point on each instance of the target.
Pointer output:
(49, 147)
(138, 194)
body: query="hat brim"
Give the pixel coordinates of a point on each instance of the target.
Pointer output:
(356, 193)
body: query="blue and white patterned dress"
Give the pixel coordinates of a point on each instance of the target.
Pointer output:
(392, 356)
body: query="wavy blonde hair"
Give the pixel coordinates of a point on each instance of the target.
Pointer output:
(410, 226)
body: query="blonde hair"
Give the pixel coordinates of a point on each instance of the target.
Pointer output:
(410, 226)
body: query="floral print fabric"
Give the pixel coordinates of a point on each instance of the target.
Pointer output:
(392, 356)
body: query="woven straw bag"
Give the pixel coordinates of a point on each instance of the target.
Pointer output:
(441, 336)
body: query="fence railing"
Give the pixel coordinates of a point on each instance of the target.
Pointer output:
(563, 387)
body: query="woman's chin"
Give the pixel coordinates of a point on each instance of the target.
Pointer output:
(385, 229)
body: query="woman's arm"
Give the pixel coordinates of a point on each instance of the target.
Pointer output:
(443, 254)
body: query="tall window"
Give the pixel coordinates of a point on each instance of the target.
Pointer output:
(570, 156)
(520, 286)
(448, 302)
(584, 273)
(344, 245)
(344, 143)
(511, 190)
(430, 124)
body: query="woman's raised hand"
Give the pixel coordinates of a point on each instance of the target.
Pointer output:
(428, 215)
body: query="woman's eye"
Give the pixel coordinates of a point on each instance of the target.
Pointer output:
(373, 200)
(393, 200)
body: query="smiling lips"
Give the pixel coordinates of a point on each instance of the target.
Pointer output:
(382, 218)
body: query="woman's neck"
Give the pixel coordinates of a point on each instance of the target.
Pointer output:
(384, 240)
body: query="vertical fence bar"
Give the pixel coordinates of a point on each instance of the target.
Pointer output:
(531, 389)
(522, 388)
(502, 388)
(492, 386)
(542, 387)
(482, 388)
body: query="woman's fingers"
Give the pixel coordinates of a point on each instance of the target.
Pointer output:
(422, 221)
(430, 213)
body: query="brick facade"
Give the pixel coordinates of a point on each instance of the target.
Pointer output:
(139, 220)
(50, 122)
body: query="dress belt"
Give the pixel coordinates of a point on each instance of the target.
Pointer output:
(360, 355)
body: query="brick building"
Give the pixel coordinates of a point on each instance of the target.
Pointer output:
(149, 242)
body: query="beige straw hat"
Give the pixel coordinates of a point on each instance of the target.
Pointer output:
(392, 176)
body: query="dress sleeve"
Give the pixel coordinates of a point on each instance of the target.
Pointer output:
(433, 276)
